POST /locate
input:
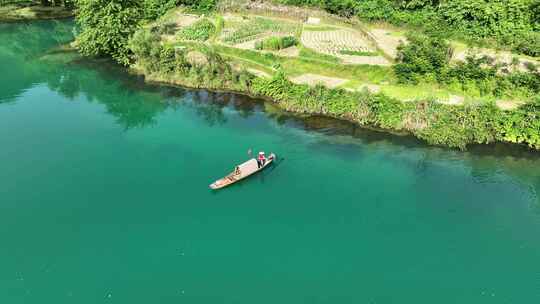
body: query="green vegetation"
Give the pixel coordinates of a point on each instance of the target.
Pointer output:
(256, 26)
(199, 5)
(423, 56)
(154, 9)
(309, 54)
(422, 64)
(428, 58)
(106, 26)
(199, 31)
(454, 126)
(509, 23)
(276, 43)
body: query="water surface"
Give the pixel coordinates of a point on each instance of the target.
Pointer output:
(104, 198)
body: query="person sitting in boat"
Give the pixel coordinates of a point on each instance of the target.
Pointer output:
(261, 160)
(237, 170)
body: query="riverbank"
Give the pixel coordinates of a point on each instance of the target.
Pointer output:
(30, 11)
(213, 66)
(435, 123)
(324, 66)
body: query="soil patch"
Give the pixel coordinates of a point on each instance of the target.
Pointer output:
(314, 79)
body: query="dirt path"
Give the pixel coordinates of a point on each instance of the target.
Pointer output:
(314, 79)
(387, 42)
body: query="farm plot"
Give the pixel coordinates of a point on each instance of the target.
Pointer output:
(255, 28)
(345, 44)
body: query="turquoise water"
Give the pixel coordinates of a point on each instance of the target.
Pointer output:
(104, 198)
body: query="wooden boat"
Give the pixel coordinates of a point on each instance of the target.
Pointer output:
(242, 171)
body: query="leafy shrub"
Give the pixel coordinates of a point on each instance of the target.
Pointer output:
(374, 10)
(276, 43)
(480, 18)
(199, 5)
(164, 28)
(142, 43)
(106, 26)
(199, 31)
(530, 44)
(421, 56)
(154, 9)
(488, 77)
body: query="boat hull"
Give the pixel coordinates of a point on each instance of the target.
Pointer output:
(233, 178)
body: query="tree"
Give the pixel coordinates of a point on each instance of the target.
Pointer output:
(106, 26)
(423, 55)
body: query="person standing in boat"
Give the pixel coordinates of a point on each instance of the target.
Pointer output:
(261, 160)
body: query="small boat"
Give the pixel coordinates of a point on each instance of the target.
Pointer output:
(242, 171)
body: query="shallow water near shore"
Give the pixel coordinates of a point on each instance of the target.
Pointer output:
(104, 198)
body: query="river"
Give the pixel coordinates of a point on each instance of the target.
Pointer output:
(104, 198)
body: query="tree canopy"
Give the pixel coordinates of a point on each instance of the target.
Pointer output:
(106, 26)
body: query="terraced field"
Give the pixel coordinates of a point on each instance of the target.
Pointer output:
(241, 31)
(335, 41)
(345, 44)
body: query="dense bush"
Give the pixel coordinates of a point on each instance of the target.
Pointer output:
(347, 8)
(154, 9)
(106, 26)
(427, 58)
(529, 44)
(199, 31)
(439, 124)
(423, 55)
(276, 43)
(481, 18)
(200, 5)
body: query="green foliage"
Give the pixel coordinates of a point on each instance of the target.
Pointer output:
(154, 9)
(276, 43)
(438, 124)
(166, 28)
(106, 26)
(507, 22)
(427, 58)
(521, 126)
(529, 44)
(421, 56)
(480, 18)
(346, 8)
(199, 5)
(199, 31)
(493, 79)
